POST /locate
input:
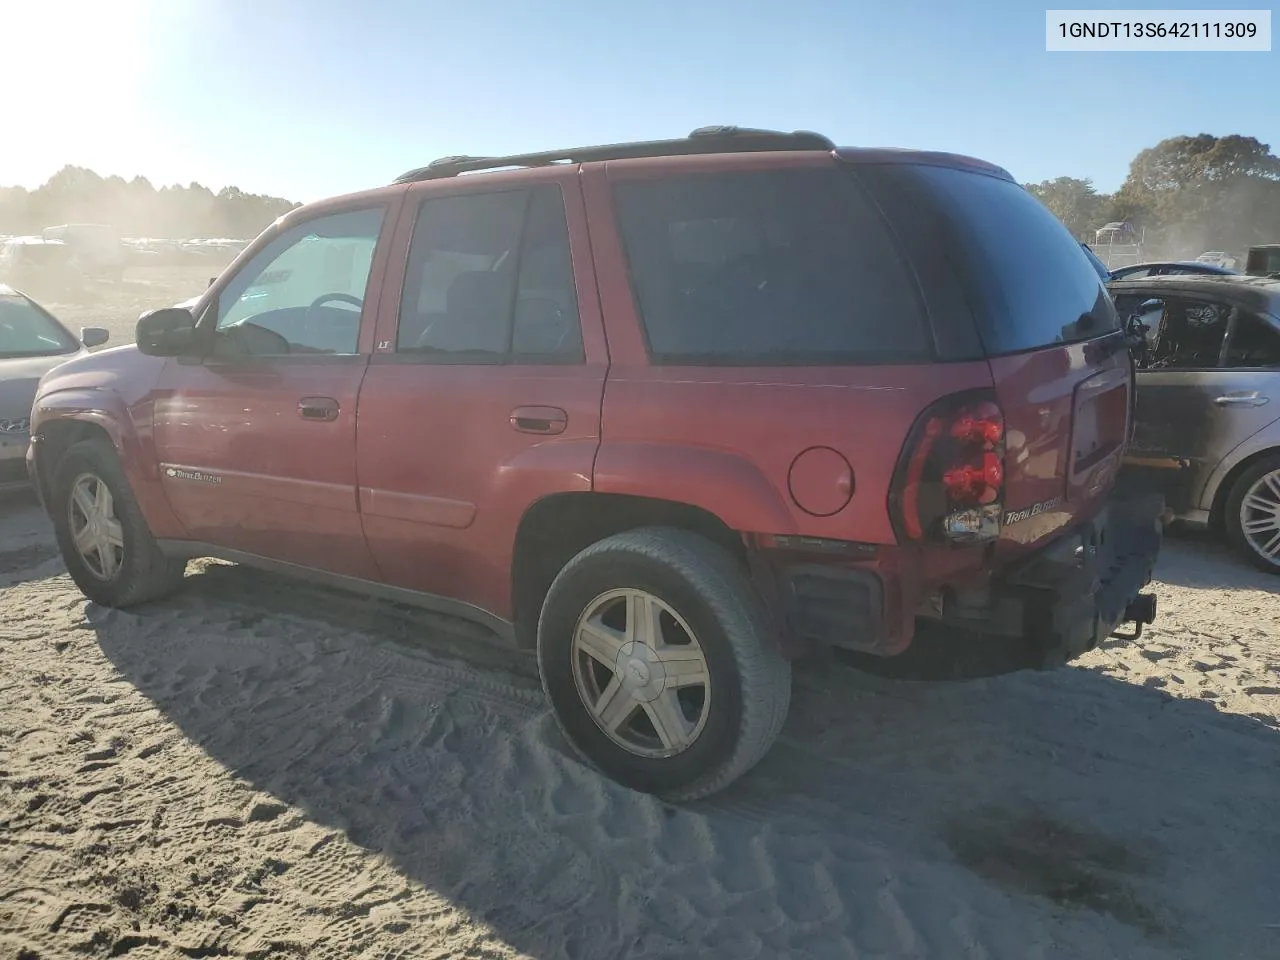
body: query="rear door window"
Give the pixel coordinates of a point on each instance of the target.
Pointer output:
(1032, 285)
(768, 268)
(490, 280)
(1254, 341)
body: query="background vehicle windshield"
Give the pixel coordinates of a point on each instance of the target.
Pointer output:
(28, 331)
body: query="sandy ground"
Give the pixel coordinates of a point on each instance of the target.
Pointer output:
(262, 769)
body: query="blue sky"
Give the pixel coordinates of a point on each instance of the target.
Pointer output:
(306, 98)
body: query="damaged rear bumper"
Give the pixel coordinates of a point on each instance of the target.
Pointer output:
(1087, 585)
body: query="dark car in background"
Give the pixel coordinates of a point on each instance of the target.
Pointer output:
(1171, 268)
(1263, 260)
(32, 342)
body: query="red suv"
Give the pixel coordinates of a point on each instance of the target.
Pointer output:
(673, 413)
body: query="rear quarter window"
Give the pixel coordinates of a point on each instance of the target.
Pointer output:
(768, 268)
(1031, 284)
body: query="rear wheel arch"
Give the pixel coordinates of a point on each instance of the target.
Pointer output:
(556, 528)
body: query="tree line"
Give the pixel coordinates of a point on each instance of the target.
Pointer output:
(1190, 194)
(136, 208)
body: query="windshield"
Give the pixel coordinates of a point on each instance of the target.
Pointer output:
(27, 331)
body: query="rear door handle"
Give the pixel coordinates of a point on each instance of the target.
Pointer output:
(1253, 399)
(543, 420)
(318, 408)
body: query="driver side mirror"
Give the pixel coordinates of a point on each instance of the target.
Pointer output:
(168, 332)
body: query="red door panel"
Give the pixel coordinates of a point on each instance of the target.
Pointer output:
(445, 476)
(245, 470)
(458, 438)
(257, 441)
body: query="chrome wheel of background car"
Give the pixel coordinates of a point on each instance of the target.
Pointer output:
(95, 529)
(641, 673)
(1260, 516)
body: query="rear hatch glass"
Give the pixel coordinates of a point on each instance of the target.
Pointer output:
(1034, 285)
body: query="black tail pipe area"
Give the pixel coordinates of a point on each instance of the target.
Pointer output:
(1141, 609)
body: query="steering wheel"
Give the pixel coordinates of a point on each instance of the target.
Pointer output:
(341, 297)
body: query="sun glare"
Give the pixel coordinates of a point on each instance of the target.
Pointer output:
(76, 68)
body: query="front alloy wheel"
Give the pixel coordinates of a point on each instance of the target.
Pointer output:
(95, 528)
(102, 535)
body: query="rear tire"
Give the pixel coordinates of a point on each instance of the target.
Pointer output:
(104, 539)
(683, 672)
(1252, 514)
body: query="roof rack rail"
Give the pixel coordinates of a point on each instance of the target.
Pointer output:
(717, 139)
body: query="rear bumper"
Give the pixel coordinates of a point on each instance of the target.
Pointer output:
(1086, 585)
(1056, 603)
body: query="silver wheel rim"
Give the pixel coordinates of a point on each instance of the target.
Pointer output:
(95, 529)
(641, 673)
(1260, 517)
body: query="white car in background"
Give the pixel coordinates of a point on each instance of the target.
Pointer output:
(1219, 258)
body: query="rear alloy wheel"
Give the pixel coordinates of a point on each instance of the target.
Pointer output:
(657, 655)
(1253, 514)
(641, 673)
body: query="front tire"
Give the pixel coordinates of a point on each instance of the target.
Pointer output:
(105, 543)
(657, 656)
(1252, 514)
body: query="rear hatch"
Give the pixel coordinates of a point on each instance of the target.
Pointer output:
(1049, 331)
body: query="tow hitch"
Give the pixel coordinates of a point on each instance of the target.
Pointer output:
(1140, 611)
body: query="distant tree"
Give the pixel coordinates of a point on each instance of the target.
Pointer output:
(136, 207)
(1075, 202)
(1206, 192)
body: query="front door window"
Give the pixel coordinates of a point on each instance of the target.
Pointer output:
(303, 293)
(1190, 335)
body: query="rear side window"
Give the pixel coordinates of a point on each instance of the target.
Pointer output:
(1254, 342)
(768, 268)
(1032, 284)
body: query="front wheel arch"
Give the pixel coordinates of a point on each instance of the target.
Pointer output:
(55, 439)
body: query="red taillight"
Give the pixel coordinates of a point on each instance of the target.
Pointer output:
(949, 484)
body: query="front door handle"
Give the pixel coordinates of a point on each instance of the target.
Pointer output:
(1253, 399)
(318, 408)
(545, 420)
